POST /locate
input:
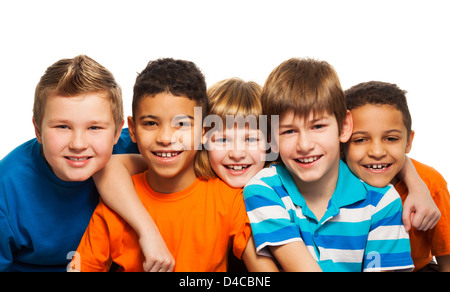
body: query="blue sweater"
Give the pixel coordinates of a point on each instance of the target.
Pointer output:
(42, 218)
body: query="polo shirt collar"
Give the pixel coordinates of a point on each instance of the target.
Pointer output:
(349, 188)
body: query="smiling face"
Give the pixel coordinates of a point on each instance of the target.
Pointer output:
(77, 135)
(237, 154)
(310, 147)
(377, 148)
(167, 135)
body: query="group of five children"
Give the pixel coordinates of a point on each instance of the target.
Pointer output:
(293, 176)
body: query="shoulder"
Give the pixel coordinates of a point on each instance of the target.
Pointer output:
(217, 186)
(139, 179)
(21, 158)
(20, 166)
(267, 189)
(267, 172)
(382, 196)
(125, 145)
(267, 177)
(432, 178)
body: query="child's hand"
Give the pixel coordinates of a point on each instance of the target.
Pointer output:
(157, 257)
(420, 211)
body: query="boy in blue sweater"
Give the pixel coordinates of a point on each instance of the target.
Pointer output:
(47, 195)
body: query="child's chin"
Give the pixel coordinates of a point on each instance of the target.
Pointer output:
(235, 184)
(378, 183)
(76, 177)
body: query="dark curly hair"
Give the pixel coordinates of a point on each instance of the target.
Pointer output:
(178, 77)
(379, 93)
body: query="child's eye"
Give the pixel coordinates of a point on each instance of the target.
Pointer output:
(252, 140)
(183, 124)
(359, 140)
(221, 140)
(287, 132)
(94, 128)
(392, 139)
(319, 126)
(63, 127)
(149, 123)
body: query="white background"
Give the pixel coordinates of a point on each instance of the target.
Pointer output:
(403, 42)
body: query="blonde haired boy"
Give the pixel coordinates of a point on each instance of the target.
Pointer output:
(47, 195)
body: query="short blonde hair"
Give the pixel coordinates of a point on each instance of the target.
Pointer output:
(228, 97)
(71, 77)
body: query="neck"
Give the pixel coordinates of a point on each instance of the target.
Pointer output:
(317, 194)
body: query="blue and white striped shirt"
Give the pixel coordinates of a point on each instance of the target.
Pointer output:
(361, 230)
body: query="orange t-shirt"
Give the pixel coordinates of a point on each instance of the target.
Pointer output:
(434, 242)
(198, 224)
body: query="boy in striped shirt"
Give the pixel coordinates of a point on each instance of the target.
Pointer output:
(311, 198)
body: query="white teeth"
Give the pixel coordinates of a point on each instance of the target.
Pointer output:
(237, 167)
(377, 166)
(167, 154)
(308, 159)
(77, 159)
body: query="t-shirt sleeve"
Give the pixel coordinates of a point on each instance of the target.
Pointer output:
(93, 252)
(270, 220)
(388, 246)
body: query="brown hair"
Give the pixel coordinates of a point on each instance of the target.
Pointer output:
(304, 86)
(71, 77)
(232, 97)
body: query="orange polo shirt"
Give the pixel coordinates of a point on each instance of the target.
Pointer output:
(434, 242)
(198, 224)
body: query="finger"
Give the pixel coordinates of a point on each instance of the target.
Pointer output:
(419, 221)
(148, 265)
(432, 223)
(152, 265)
(155, 268)
(407, 217)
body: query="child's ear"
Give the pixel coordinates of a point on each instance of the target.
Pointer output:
(132, 129)
(409, 143)
(346, 128)
(118, 132)
(37, 132)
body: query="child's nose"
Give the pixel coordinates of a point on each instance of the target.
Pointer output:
(165, 136)
(376, 150)
(238, 152)
(304, 143)
(78, 141)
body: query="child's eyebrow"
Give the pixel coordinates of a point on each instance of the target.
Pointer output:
(393, 131)
(385, 132)
(285, 126)
(176, 118)
(180, 117)
(148, 117)
(360, 133)
(65, 121)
